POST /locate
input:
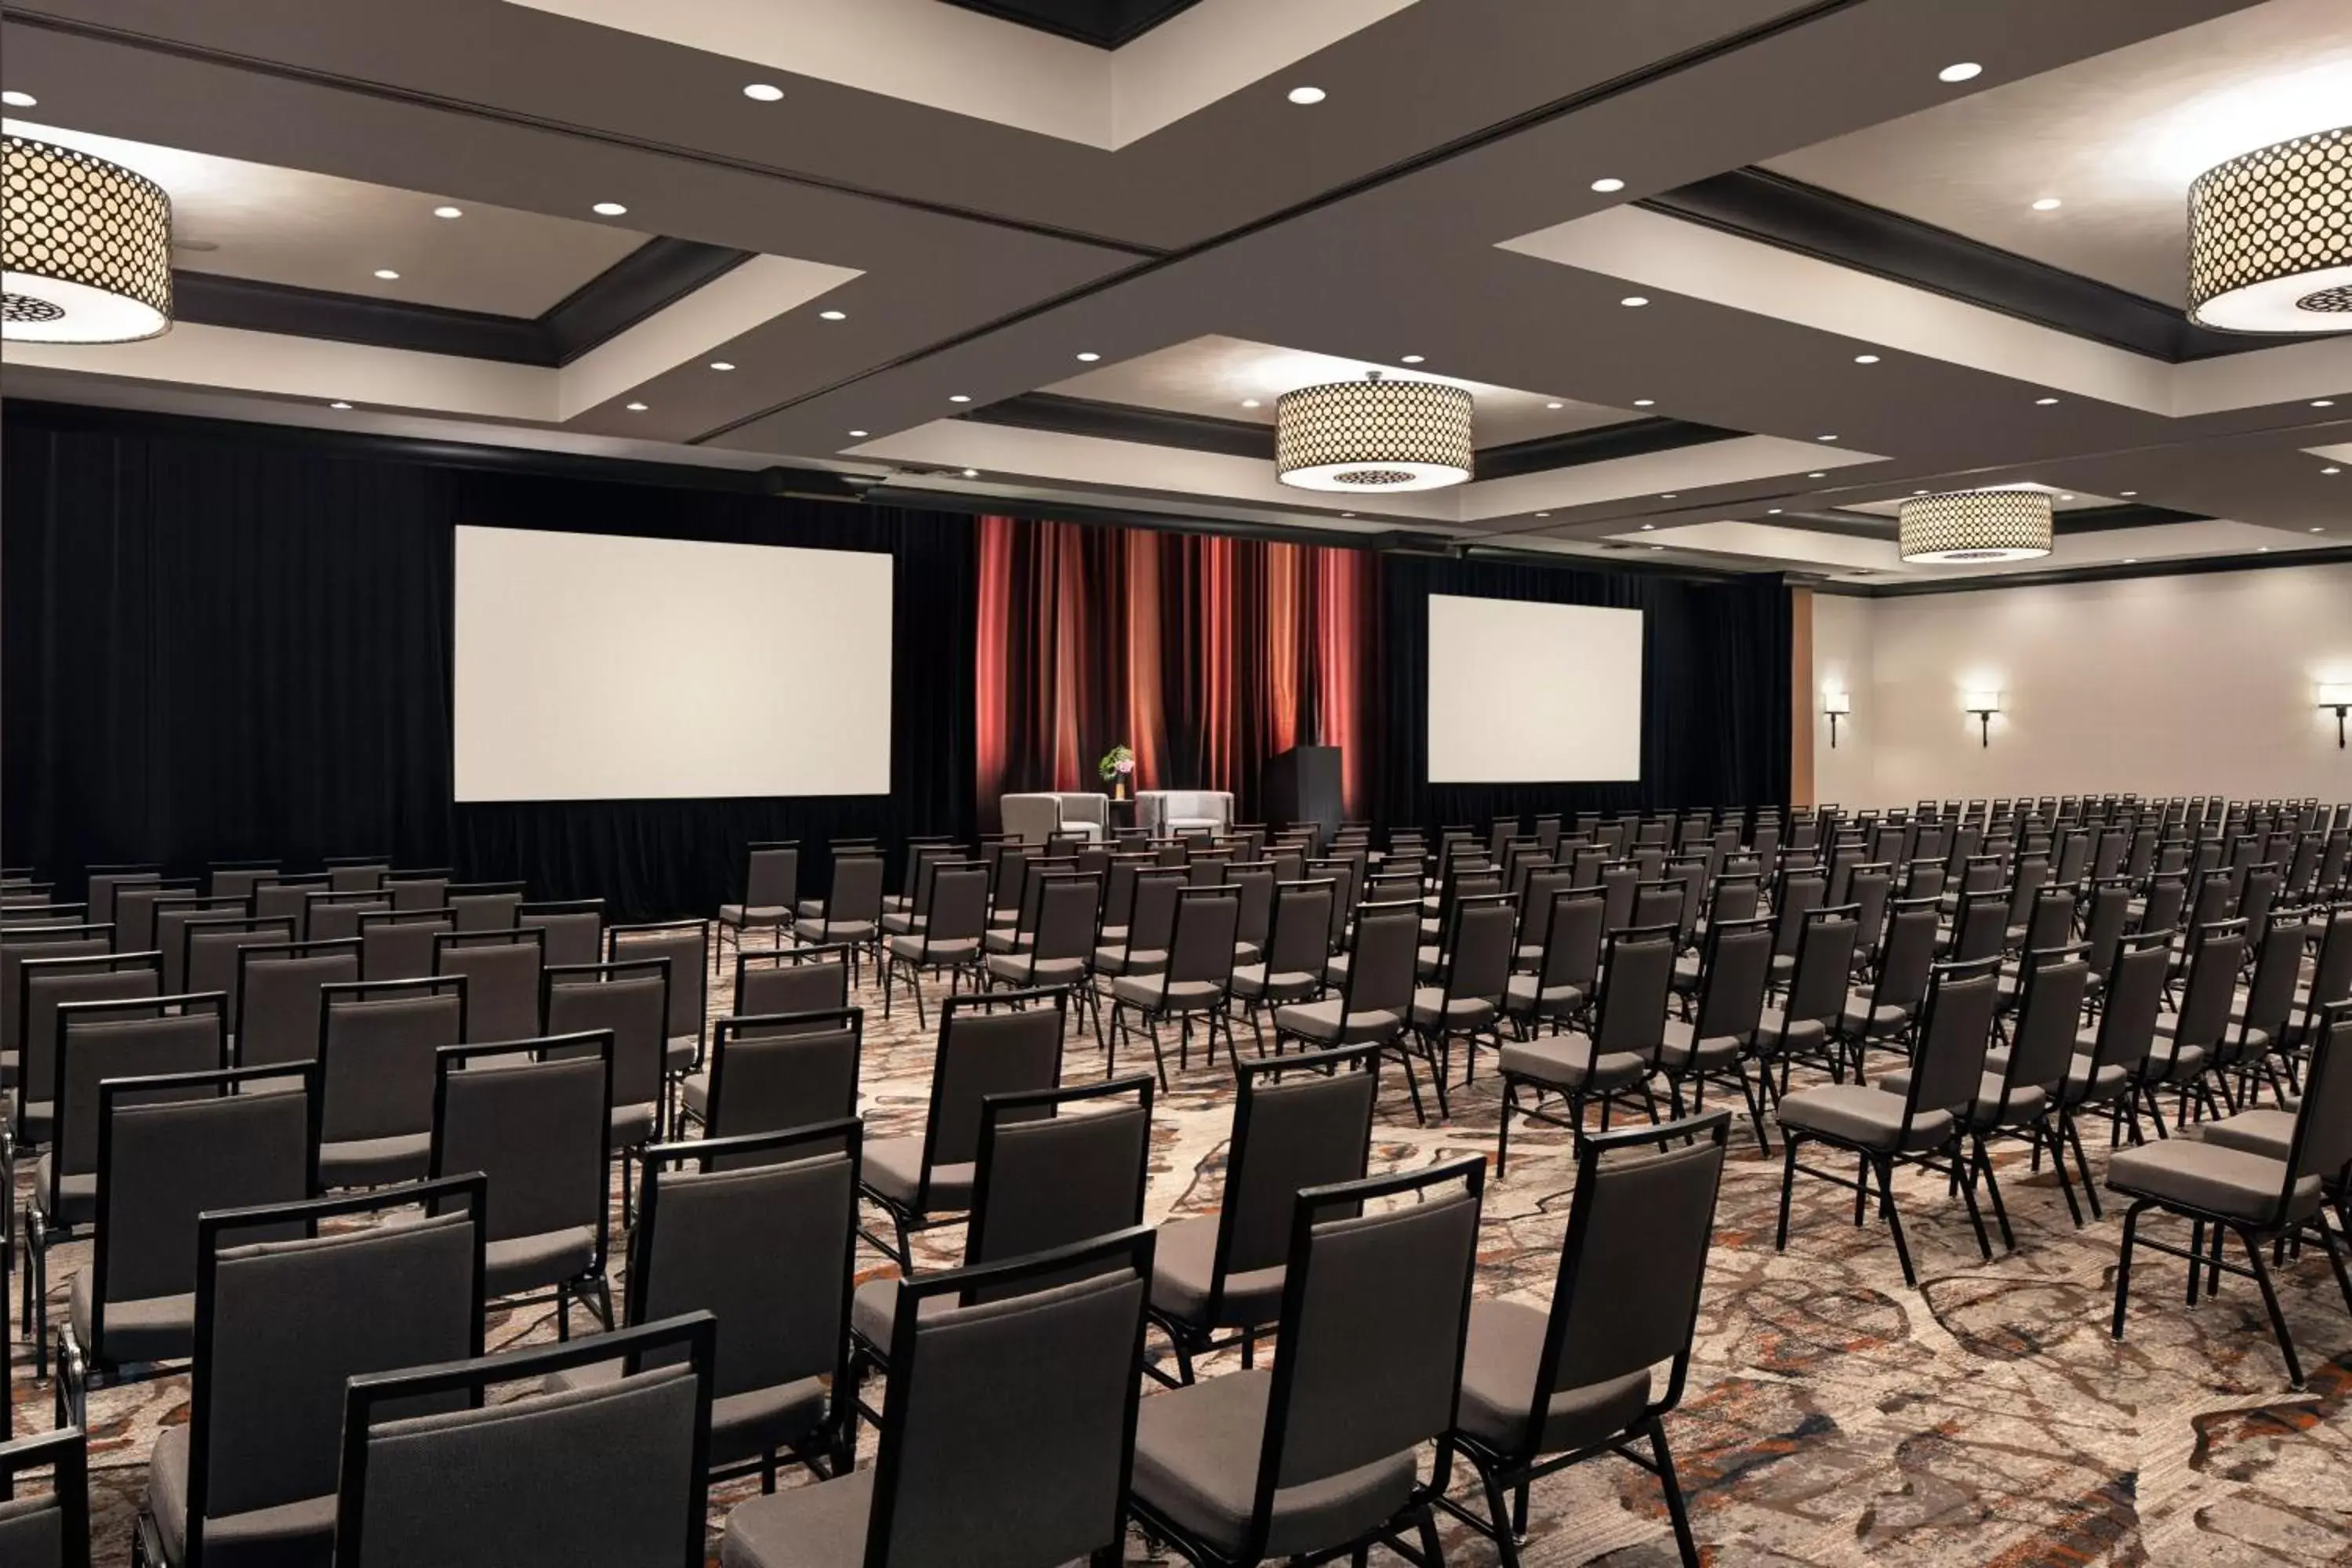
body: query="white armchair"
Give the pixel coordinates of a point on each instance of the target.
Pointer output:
(1184, 810)
(1037, 817)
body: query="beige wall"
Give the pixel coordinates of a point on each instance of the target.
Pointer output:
(2176, 685)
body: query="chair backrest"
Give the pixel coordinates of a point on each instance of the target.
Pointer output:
(172, 917)
(357, 873)
(537, 1127)
(630, 1001)
(1626, 1297)
(98, 888)
(2168, 896)
(1982, 930)
(1635, 985)
(1733, 973)
(687, 946)
(174, 1146)
(796, 980)
(1382, 968)
(1151, 918)
(236, 879)
(783, 1303)
(1208, 921)
(958, 908)
(2278, 964)
(417, 890)
(574, 929)
(289, 897)
(1802, 892)
(613, 1471)
(502, 970)
(277, 1010)
(49, 1530)
(135, 910)
(772, 876)
(1059, 1166)
(401, 944)
(2321, 1143)
(1824, 967)
(1907, 954)
(377, 1040)
(209, 960)
(139, 1037)
(1256, 881)
(43, 984)
(857, 890)
(1358, 1276)
(1014, 1402)
(1572, 950)
(283, 1324)
(335, 915)
(1300, 1122)
(773, 1071)
(1954, 1032)
(2132, 999)
(1481, 944)
(1302, 926)
(1005, 1042)
(1067, 912)
(2048, 1016)
(2217, 954)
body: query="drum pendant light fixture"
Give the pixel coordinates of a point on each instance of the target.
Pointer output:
(1976, 525)
(1356, 437)
(2270, 238)
(86, 248)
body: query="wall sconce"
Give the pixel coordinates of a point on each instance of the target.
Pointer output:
(1984, 705)
(1837, 705)
(2337, 696)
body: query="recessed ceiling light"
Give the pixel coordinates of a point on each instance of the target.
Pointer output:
(1817, 475)
(2319, 531)
(1608, 187)
(1669, 495)
(2131, 560)
(1633, 302)
(1409, 359)
(1089, 358)
(2128, 494)
(1824, 437)
(1771, 511)
(1346, 514)
(1645, 403)
(448, 212)
(1647, 526)
(958, 397)
(2262, 550)
(1963, 70)
(635, 407)
(858, 432)
(764, 92)
(832, 315)
(1866, 359)
(2331, 470)
(1306, 95)
(609, 209)
(1543, 514)
(1919, 492)
(15, 100)
(2048, 205)
(387, 274)
(339, 405)
(2323, 403)
(1249, 402)
(971, 473)
(1555, 406)
(1657, 547)
(2044, 402)
(721, 364)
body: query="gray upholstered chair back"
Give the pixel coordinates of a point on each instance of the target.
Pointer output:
(1620, 882)
(134, 910)
(1068, 905)
(2278, 964)
(1300, 1128)
(2216, 899)
(776, 1071)
(772, 876)
(212, 946)
(1537, 892)
(1572, 950)
(278, 999)
(1483, 947)
(1634, 1261)
(376, 1046)
(856, 893)
(1059, 1166)
(534, 1117)
(501, 969)
(172, 918)
(980, 1428)
(2217, 954)
(1982, 928)
(574, 930)
(687, 946)
(105, 1040)
(401, 944)
(631, 1000)
(2052, 920)
(1907, 954)
(1817, 985)
(2168, 896)
(989, 1046)
(2033, 876)
(1208, 921)
(282, 1325)
(958, 911)
(1151, 918)
(1256, 881)
(1302, 927)
(2132, 999)
(1369, 1277)
(357, 876)
(99, 888)
(238, 879)
(1634, 989)
(1948, 1067)
(2109, 918)
(43, 986)
(805, 980)
(1739, 964)
(417, 889)
(175, 1147)
(1868, 889)
(1381, 972)
(287, 899)
(1658, 903)
(1802, 892)
(44, 1529)
(763, 1237)
(2049, 1017)
(2322, 1144)
(335, 916)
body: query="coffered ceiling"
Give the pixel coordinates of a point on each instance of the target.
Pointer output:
(1048, 253)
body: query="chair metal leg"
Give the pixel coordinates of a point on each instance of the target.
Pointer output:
(1788, 1182)
(1503, 1126)
(1968, 1196)
(2122, 1267)
(2271, 1305)
(1676, 1509)
(1885, 1168)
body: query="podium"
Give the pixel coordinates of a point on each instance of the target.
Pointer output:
(1302, 784)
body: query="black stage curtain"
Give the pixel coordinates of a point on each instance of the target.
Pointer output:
(224, 642)
(1715, 698)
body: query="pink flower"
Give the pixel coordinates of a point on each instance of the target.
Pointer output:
(1127, 764)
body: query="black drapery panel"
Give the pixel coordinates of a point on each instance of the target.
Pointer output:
(1714, 699)
(222, 644)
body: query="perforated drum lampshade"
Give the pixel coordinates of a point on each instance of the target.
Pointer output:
(1976, 525)
(86, 248)
(1356, 436)
(2270, 238)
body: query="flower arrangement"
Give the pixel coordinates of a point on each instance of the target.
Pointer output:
(1117, 765)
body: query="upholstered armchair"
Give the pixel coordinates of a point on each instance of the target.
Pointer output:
(1037, 817)
(1184, 810)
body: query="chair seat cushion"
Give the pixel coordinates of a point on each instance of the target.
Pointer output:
(75, 1201)
(1196, 1459)
(2265, 1131)
(375, 1161)
(299, 1532)
(1183, 1262)
(1779, 1031)
(1247, 952)
(1009, 942)
(1499, 1383)
(1335, 968)
(2026, 1103)
(2171, 1062)
(1524, 997)
(1863, 1021)
(1111, 960)
(1175, 996)
(1681, 1051)
(1328, 1022)
(633, 1124)
(1431, 1009)
(157, 1327)
(893, 1167)
(2211, 1177)
(679, 1055)
(819, 931)
(1866, 1118)
(744, 1424)
(820, 1526)
(900, 922)
(1566, 1061)
(523, 1263)
(922, 950)
(1252, 981)
(874, 1310)
(1017, 969)
(696, 1092)
(758, 915)
(809, 909)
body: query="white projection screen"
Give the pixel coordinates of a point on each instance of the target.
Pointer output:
(1528, 693)
(595, 666)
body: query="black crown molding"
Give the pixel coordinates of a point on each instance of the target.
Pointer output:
(1756, 204)
(657, 273)
(1599, 444)
(1105, 24)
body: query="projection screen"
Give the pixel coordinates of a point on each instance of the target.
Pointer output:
(1529, 693)
(594, 667)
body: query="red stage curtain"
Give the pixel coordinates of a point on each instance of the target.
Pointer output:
(1205, 655)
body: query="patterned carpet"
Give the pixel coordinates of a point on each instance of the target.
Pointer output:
(1834, 1416)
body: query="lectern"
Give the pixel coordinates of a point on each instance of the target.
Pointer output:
(1302, 784)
